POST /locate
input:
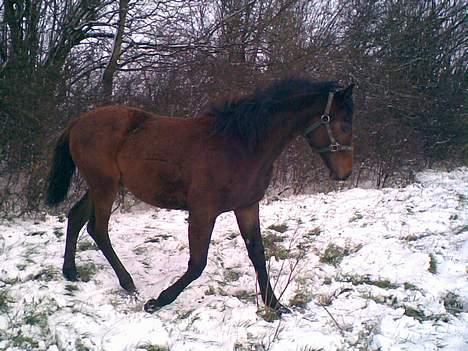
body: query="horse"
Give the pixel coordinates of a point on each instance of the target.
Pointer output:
(207, 165)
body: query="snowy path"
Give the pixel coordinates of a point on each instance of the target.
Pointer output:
(376, 270)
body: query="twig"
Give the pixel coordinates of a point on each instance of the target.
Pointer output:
(333, 319)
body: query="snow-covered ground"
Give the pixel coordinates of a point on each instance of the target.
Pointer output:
(367, 270)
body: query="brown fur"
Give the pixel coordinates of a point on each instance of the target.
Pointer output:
(185, 164)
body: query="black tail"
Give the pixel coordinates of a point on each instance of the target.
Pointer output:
(61, 172)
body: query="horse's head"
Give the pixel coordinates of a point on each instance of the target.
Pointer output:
(332, 134)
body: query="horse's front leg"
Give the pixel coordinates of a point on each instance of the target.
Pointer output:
(199, 233)
(249, 225)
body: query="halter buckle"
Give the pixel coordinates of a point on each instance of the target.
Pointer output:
(325, 118)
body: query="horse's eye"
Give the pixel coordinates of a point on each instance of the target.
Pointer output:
(346, 127)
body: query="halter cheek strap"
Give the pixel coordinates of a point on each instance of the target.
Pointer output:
(326, 114)
(325, 121)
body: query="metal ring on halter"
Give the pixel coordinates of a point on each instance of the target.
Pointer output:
(334, 147)
(325, 118)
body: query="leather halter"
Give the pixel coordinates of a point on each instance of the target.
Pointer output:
(325, 120)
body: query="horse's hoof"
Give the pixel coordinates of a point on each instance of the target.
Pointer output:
(70, 274)
(135, 294)
(152, 306)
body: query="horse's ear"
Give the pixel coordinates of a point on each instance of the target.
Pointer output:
(345, 93)
(348, 91)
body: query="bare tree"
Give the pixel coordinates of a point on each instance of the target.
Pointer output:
(109, 71)
(36, 40)
(58, 58)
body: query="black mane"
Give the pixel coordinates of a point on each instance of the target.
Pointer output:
(250, 117)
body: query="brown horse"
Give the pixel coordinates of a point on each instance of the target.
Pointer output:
(218, 162)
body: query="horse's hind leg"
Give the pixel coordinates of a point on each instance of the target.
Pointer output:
(77, 218)
(99, 231)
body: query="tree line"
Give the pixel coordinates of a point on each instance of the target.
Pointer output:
(61, 58)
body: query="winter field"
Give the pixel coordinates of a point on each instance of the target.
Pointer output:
(360, 269)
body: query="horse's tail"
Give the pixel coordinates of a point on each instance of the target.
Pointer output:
(61, 172)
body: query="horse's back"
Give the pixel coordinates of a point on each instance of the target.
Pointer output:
(150, 155)
(168, 162)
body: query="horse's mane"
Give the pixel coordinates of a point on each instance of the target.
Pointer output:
(249, 118)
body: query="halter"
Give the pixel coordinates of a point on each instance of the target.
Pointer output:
(325, 119)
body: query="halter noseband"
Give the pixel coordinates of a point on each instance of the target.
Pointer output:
(325, 119)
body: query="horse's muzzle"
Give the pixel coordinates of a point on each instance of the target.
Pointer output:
(336, 176)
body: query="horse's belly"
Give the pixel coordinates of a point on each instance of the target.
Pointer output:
(156, 182)
(170, 201)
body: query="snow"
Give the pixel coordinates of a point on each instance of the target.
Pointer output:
(398, 282)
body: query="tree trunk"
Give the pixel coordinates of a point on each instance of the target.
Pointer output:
(109, 72)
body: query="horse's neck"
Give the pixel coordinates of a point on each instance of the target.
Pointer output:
(275, 142)
(284, 132)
